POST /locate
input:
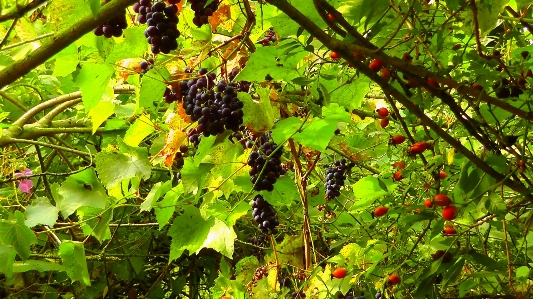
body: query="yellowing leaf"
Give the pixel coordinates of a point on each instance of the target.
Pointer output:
(176, 136)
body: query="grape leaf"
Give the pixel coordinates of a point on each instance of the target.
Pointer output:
(14, 232)
(220, 238)
(128, 162)
(165, 208)
(141, 128)
(41, 211)
(92, 80)
(188, 232)
(73, 257)
(133, 37)
(81, 190)
(7, 257)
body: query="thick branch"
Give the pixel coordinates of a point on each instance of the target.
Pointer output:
(60, 41)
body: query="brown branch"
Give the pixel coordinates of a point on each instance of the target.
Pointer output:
(61, 40)
(21, 11)
(4, 40)
(330, 23)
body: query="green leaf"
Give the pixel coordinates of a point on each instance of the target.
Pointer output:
(37, 265)
(522, 271)
(141, 128)
(165, 208)
(81, 190)
(323, 127)
(41, 211)
(66, 61)
(92, 80)
(484, 260)
(495, 204)
(152, 88)
(100, 113)
(188, 232)
(128, 162)
(193, 177)
(367, 190)
(15, 233)
(264, 62)
(158, 189)
(7, 257)
(95, 7)
(284, 194)
(285, 128)
(129, 48)
(453, 272)
(73, 257)
(220, 238)
(351, 95)
(258, 114)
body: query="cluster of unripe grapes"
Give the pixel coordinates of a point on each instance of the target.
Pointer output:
(335, 176)
(202, 12)
(266, 156)
(270, 37)
(265, 215)
(112, 27)
(215, 109)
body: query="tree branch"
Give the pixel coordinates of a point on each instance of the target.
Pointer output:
(61, 41)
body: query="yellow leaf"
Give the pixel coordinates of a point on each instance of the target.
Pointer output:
(175, 138)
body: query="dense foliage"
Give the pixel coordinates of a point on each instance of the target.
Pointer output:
(266, 149)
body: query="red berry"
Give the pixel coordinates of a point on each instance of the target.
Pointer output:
(398, 175)
(375, 65)
(380, 211)
(384, 122)
(394, 279)
(399, 164)
(358, 56)
(449, 213)
(477, 86)
(418, 148)
(428, 203)
(385, 74)
(331, 17)
(442, 174)
(433, 83)
(407, 57)
(457, 46)
(383, 112)
(339, 273)
(450, 231)
(335, 55)
(397, 139)
(442, 200)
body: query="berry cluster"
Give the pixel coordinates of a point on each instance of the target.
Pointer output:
(214, 111)
(169, 96)
(335, 178)
(146, 65)
(270, 37)
(264, 179)
(112, 27)
(265, 215)
(299, 294)
(351, 295)
(383, 113)
(202, 12)
(243, 86)
(162, 32)
(260, 242)
(179, 160)
(143, 7)
(503, 89)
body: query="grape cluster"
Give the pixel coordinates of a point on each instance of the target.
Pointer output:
(202, 12)
(270, 37)
(112, 27)
(335, 178)
(265, 215)
(259, 159)
(260, 242)
(143, 7)
(351, 295)
(169, 96)
(162, 32)
(146, 65)
(214, 111)
(243, 86)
